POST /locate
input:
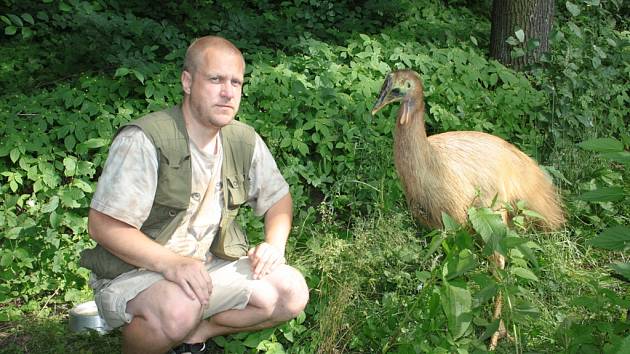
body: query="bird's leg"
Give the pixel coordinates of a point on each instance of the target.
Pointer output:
(499, 264)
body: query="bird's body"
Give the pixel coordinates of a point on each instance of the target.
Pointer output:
(452, 171)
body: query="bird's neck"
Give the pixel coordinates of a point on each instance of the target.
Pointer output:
(412, 132)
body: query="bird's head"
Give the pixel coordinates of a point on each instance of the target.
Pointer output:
(401, 86)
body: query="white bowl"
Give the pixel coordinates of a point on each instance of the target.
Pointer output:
(85, 317)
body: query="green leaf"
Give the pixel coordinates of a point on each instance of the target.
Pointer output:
(485, 294)
(64, 7)
(21, 253)
(463, 239)
(605, 194)
(54, 219)
(120, 72)
(149, 90)
(6, 259)
(302, 148)
(486, 222)
(26, 33)
(527, 309)
(13, 233)
(138, 76)
(5, 20)
(596, 62)
(575, 29)
(456, 266)
(436, 241)
(14, 154)
(602, 145)
(520, 35)
(10, 30)
(93, 143)
(616, 238)
(16, 20)
(622, 157)
(449, 223)
(621, 347)
(490, 329)
(82, 185)
(517, 53)
(526, 250)
(622, 269)
(70, 197)
(523, 273)
(511, 41)
(573, 8)
(533, 214)
(52, 204)
(70, 164)
(456, 303)
(69, 142)
(28, 18)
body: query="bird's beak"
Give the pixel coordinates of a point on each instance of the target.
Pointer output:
(382, 96)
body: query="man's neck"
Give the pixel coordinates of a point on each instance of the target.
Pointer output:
(203, 136)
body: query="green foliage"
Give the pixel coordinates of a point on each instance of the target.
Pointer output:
(397, 294)
(615, 237)
(74, 71)
(55, 143)
(585, 73)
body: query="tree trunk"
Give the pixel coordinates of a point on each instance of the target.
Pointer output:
(533, 17)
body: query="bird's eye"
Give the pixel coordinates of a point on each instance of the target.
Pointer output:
(396, 91)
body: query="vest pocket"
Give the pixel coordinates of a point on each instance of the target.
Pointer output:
(171, 190)
(160, 218)
(237, 191)
(231, 242)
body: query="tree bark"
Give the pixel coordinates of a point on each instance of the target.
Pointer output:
(534, 17)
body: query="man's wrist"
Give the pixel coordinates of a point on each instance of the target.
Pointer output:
(279, 248)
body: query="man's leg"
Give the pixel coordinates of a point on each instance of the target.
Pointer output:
(163, 316)
(276, 298)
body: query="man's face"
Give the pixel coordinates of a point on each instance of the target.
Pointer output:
(215, 87)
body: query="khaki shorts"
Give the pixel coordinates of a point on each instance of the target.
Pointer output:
(231, 289)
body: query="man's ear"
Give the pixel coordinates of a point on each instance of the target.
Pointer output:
(186, 80)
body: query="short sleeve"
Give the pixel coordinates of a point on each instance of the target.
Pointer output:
(267, 186)
(127, 185)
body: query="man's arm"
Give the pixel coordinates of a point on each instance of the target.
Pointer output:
(132, 246)
(269, 254)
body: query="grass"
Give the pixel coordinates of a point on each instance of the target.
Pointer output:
(366, 280)
(52, 335)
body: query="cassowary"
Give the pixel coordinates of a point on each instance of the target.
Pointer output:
(453, 171)
(449, 172)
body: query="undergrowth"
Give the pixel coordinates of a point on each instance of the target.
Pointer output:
(75, 70)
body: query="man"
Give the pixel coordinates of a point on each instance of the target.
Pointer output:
(171, 264)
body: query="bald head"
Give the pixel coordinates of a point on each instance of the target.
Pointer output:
(196, 50)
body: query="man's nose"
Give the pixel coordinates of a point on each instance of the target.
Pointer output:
(227, 90)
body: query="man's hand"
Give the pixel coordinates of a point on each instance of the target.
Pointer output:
(191, 275)
(264, 259)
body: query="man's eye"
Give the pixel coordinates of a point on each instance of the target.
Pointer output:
(214, 79)
(236, 83)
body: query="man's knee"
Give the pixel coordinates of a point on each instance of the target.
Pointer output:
(179, 318)
(293, 293)
(169, 311)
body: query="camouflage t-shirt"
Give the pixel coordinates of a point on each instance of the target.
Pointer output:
(127, 186)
